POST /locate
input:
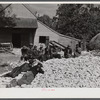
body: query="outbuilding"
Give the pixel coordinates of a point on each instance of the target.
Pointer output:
(21, 34)
(45, 34)
(30, 30)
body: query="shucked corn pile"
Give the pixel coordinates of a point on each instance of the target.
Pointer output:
(83, 71)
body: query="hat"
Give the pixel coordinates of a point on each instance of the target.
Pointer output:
(68, 46)
(35, 46)
(31, 44)
(24, 47)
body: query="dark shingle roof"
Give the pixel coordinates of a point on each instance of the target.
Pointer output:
(26, 23)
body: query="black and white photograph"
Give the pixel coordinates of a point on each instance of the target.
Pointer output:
(49, 45)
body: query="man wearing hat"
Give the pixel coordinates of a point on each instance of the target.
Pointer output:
(41, 53)
(77, 52)
(30, 51)
(35, 52)
(24, 50)
(68, 52)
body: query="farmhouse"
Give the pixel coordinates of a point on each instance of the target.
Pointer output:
(30, 30)
(44, 34)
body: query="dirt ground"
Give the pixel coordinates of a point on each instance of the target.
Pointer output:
(6, 58)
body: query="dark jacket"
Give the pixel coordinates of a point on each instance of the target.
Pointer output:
(68, 52)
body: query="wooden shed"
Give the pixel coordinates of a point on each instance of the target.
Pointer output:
(20, 35)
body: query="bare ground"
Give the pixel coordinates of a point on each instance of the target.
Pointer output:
(7, 58)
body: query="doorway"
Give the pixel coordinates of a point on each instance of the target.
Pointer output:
(44, 39)
(16, 40)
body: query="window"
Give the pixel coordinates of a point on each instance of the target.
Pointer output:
(42, 39)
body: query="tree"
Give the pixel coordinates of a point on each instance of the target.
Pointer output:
(50, 22)
(46, 20)
(6, 21)
(81, 21)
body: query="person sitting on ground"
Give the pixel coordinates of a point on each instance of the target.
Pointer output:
(24, 51)
(29, 76)
(88, 47)
(30, 51)
(35, 52)
(47, 52)
(54, 52)
(77, 51)
(68, 52)
(41, 53)
(61, 53)
(24, 68)
(35, 67)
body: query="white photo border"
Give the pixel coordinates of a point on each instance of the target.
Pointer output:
(58, 92)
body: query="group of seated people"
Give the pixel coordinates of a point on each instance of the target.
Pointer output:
(68, 53)
(34, 57)
(47, 53)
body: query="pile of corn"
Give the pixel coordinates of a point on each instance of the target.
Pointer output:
(83, 71)
(4, 82)
(80, 72)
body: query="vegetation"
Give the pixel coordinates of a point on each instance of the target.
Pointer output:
(81, 21)
(5, 20)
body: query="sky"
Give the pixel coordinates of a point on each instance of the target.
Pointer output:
(48, 9)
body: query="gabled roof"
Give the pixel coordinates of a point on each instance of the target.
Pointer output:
(28, 20)
(32, 23)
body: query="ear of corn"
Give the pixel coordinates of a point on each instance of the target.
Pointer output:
(80, 72)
